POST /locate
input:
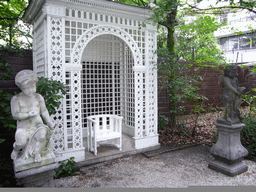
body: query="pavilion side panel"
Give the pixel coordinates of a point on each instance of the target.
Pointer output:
(54, 52)
(67, 138)
(152, 89)
(146, 133)
(39, 46)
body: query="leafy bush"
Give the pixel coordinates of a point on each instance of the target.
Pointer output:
(67, 168)
(250, 100)
(48, 88)
(248, 135)
(5, 111)
(162, 120)
(52, 92)
(6, 120)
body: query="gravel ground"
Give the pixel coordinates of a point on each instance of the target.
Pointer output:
(176, 169)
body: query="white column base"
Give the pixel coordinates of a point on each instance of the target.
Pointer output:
(79, 155)
(145, 142)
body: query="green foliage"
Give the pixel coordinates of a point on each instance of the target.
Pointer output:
(67, 168)
(5, 70)
(185, 132)
(198, 101)
(6, 119)
(5, 111)
(162, 119)
(134, 2)
(11, 12)
(196, 42)
(181, 125)
(249, 100)
(52, 91)
(248, 135)
(2, 140)
(7, 178)
(176, 80)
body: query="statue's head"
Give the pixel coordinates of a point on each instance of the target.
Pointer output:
(230, 71)
(25, 77)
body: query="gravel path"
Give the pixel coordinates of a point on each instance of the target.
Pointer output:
(180, 168)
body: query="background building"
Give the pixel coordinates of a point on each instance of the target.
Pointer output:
(238, 38)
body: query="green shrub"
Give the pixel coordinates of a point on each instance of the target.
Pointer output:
(5, 111)
(162, 120)
(52, 91)
(248, 135)
(6, 120)
(67, 168)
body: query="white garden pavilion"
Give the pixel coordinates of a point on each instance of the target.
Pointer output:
(105, 52)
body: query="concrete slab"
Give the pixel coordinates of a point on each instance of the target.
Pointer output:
(106, 153)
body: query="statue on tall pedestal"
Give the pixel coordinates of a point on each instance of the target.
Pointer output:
(32, 147)
(228, 151)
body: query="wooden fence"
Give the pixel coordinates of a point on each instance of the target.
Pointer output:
(16, 62)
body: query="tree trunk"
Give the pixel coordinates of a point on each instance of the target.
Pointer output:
(171, 19)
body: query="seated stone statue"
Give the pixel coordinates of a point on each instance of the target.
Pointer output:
(32, 137)
(231, 96)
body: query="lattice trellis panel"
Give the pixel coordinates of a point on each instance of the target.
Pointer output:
(127, 86)
(55, 71)
(107, 79)
(140, 123)
(79, 33)
(56, 49)
(152, 83)
(101, 30)
(73, 132)
(76, 108)
(134, 52)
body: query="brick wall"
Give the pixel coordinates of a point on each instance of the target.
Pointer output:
(209, 87)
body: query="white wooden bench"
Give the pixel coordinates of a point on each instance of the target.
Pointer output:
(104, 129)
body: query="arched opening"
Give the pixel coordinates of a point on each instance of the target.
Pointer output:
(107, 81)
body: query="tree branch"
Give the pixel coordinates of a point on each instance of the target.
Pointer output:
(222, 7)
(9, 18)
(140, 2)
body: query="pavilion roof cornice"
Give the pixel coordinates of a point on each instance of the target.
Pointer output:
(36, 5)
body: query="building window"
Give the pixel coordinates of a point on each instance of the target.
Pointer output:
(233, 43)
(224, 43)
(238, 42)
(224, 18)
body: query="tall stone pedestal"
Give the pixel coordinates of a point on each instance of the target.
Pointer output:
(228, 151)
(37, 177)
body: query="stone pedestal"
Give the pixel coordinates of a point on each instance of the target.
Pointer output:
(228, 151)
(37, 177)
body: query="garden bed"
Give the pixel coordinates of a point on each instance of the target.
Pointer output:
(205, 131)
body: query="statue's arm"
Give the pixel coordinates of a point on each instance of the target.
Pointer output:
(240, 89)
(228, 84)
(15, 110)
(44, 112)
